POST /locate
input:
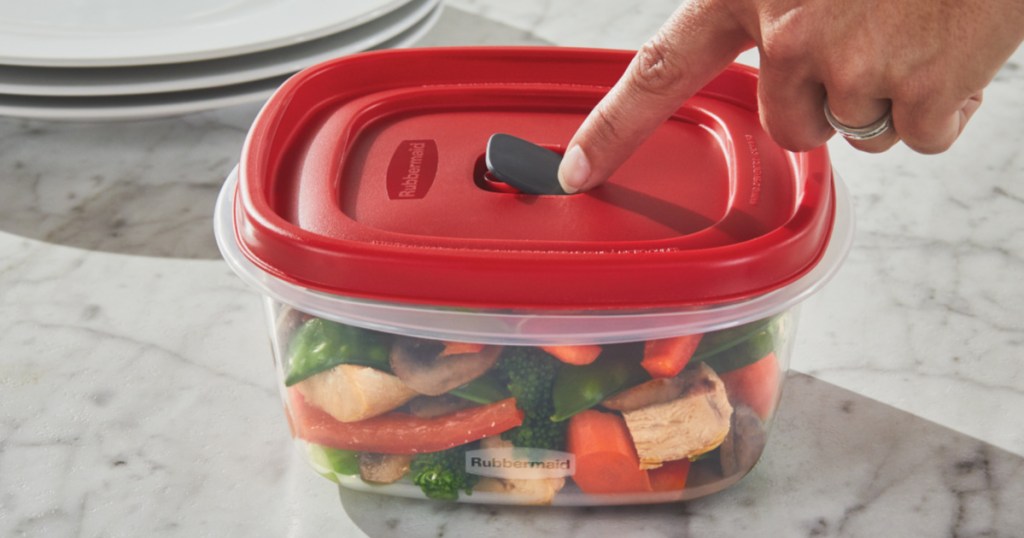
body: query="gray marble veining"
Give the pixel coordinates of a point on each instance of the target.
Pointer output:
(143, 187)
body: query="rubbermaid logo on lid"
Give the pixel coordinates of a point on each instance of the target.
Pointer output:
(412, 169)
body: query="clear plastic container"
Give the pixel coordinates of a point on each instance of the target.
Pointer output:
(742, 353)
(586, 397)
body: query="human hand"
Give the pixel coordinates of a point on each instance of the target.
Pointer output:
(925, 62)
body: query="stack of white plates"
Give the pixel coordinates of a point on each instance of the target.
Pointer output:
(117, 59)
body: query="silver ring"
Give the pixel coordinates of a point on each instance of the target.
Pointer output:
(874, 130)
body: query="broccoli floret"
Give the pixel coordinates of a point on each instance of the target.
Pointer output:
(531, 375)
(442, 475)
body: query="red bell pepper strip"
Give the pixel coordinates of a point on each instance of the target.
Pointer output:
(574, 355)
(460, 348)
(400, 433)
(668, 356)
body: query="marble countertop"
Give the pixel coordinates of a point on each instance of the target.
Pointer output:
(137, 396)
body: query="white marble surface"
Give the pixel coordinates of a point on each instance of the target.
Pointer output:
(137, 396)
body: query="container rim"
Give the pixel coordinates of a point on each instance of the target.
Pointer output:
(506, 327)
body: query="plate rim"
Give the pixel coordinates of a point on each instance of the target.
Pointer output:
(180, 103)
(222, 39)
(165, 78)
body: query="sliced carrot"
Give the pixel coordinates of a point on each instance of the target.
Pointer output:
(574, 355)
(459, 348)
(668, 356)
(671, 476)
(606, 460)
(755, 385)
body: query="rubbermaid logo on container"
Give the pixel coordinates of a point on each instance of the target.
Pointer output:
(520, 463)
(412, 169)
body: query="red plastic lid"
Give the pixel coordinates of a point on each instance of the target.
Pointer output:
(364, 177)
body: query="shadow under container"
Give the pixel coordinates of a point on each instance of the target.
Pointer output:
(438, 334)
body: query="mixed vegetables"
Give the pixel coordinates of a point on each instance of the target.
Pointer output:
(639, 417)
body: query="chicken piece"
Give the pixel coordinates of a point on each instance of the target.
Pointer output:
(383, 468)
(745, 442)
(695, 423)
(350, 392)
(652, 392)
(537, 491)
(420, 365)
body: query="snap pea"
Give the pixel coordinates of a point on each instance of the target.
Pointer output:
(737, 347)
(320, 345)
(343, 462)
(578, 388)
(488, 388)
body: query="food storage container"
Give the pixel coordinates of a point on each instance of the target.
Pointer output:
(439, 333)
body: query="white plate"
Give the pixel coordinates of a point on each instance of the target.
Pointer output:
(91, 33)
(108, 108)
(98, 81)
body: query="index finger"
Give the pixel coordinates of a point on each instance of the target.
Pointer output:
(699, 40)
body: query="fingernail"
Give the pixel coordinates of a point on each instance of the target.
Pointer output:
(574, 171)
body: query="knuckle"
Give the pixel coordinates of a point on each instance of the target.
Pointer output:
(912, 91)
(785, 43)
(924, 139)
(928, 146)
(926, 129)
(851, 78)
(791, 136)
(603, 121)
(843, 85)
(879, 145)
(782, 51)
(791, 125)
(656, 70)
(797, 142)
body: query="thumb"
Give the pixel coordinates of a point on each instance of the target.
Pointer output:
(699, 40)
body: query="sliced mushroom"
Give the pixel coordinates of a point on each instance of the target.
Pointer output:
(420, 365)
(537, 491)
(745, 442)
(383, 468)
(435, 406)
(350, 392)
(288, 319)
(652, 392)
(695, 423)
